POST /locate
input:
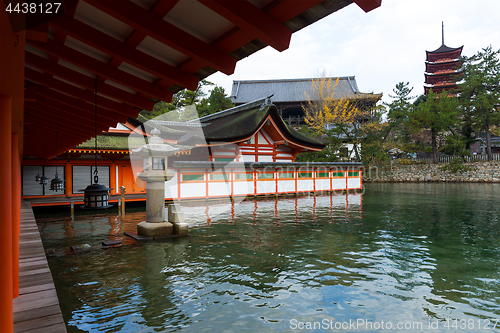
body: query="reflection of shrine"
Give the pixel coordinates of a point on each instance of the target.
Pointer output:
(260, 236)
(283, 208)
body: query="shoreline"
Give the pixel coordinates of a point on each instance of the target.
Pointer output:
(472, 172)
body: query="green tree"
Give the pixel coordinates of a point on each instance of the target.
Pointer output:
(216, 101)
(398, 112)
(480, 91)
(436, 113)
(330, 153)
(179, 101)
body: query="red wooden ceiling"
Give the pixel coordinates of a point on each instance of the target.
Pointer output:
(141, 51)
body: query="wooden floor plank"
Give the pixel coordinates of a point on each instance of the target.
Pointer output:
(33, 289)
(33, 324)
(36, 309)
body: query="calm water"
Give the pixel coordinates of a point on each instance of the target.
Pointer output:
(401, 254)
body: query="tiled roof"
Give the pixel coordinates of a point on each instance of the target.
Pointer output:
(288, 90)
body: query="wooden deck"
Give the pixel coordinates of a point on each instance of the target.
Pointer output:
(37, 307)
(62, 200)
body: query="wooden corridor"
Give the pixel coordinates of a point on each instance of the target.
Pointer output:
(37, 307)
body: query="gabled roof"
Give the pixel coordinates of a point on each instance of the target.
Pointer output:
(291, 90)
(233, 125)
(444, 49)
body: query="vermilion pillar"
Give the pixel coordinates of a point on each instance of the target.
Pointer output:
(16, 212)
(112, 178)
(68, 179)
(6, 235)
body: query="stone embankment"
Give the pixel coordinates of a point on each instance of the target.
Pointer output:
(475, 172)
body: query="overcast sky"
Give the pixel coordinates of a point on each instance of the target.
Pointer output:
(381, 48)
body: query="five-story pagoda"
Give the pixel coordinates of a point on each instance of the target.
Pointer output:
(441, 68)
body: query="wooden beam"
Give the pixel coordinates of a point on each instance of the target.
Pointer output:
(45, 112)
(368, 5)
(87, 82)
(63, 102)
(66, 112)
(282, 11)
(78, 93)
(252, 19)
(167, 33)
(124, 52)
(93, 65)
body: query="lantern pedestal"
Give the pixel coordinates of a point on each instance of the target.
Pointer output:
(155, 229)
(155, 175)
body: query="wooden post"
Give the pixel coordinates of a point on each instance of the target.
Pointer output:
(72, 210)
(6, 234)
(68, 180)
(122, 192)
(16, 212)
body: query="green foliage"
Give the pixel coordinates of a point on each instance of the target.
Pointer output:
(217, 101)
(329, 154)
(436, 113)
(480, 91)
(456, 165)
(187, 104)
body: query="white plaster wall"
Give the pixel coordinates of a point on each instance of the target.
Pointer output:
(171, 188)
(243, 188)
(305, 185)
(247, 158)
(286, 186)
(216, 189)
(322, 184)
(338, 184)
(266, 186)
(354, 182)
(189, 190)
(265, 158)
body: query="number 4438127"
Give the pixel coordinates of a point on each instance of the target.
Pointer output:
(34, 8)
(472, 324)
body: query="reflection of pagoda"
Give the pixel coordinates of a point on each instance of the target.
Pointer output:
(441, 67)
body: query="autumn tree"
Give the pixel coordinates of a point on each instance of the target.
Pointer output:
(326, 111)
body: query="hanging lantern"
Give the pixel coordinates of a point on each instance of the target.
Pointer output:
(96, 196)
(37, 177)
(44, 180)
(57, 183)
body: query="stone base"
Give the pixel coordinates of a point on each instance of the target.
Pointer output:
(152, 229)
(181, 229)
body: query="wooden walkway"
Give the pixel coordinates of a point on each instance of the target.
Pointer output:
(37, 307)
(62, 200)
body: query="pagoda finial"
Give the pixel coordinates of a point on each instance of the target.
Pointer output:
(442, 30)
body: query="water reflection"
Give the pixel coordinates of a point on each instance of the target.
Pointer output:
(399, 253)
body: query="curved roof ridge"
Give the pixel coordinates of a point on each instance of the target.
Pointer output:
(262, 102)
(443, 49)
(349, 77)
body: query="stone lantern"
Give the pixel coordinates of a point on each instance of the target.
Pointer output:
(155, 175)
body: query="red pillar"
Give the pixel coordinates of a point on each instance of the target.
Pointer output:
(112, 179)
(68, 179)
(16, 211)
(6, 290)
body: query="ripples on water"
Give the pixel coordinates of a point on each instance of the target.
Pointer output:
(399, 253)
